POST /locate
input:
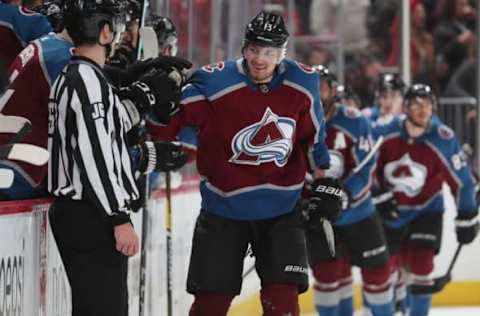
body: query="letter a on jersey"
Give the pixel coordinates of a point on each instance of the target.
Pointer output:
(269, 140)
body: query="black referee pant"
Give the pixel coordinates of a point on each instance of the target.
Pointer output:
(97, 272)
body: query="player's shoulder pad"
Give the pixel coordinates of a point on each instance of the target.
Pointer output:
(351, 112)
(441, 134)
(351, 119)
(211, 79)
(392, 127)
(445, 132)
(443, 138)
(55, 52)
(300, 75)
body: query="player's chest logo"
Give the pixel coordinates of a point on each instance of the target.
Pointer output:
(406, 175)
(269, 140)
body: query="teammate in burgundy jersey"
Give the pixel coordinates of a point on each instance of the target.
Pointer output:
(32, 73)
(19, 26)
(418, 155)
(260, 127)
(360, 239)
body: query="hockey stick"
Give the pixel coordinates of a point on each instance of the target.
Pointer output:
(327, 226)
(14, 124)
(168, 226)
(149, 42)
(438, 283)
(31, 154)
(146, 192)
(6, 178)
(369, 156)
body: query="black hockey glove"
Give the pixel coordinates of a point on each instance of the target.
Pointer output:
(326, 199)
(161, 156)
(466, 226)
(386, 205)
(154, 91)
(166, 64)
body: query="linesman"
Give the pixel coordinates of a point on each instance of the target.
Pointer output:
(91, 170)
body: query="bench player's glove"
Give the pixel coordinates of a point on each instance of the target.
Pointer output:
(386, 204)
(166, 64)
(466, 226)
(155, 91)
(161, 156)
(326, 199)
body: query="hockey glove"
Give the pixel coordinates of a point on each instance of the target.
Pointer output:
(466, 227)
(161, 156)
(386, 205)
(154, 91)
(326, 199)
(166, 64)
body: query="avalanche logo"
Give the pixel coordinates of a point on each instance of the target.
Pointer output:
(264, 141)
(406, 175)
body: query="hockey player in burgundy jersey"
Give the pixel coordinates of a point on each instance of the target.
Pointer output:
(32, 74)
(18, 26)
(360, 239)
(260, 128)
(418, 155)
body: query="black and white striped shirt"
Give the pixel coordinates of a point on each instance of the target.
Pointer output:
(89, 158)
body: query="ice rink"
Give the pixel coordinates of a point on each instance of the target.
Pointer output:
(446, 311)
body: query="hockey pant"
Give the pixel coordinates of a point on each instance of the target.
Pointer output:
(333, 288)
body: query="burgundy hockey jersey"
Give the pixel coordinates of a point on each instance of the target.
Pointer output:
(255, 143)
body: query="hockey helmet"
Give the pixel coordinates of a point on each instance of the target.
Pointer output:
(390, 81)
(53, 10)
(327, 75)
(420, 90)
(266, 29)
(134, 8)
(165, 30)
(84, 19)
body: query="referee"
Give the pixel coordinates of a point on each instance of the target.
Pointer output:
(90, 172)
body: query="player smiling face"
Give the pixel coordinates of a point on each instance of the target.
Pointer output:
(261, 61)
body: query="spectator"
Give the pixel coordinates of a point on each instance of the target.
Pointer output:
(463, 83)
(421, 45)
(362, 76)
(355, 35)
(454, 38)
(380, 16)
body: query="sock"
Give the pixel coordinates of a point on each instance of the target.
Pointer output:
(210, 304)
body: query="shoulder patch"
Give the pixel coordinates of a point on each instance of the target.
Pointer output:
(216, 66)
(305, 68)
(351, 112)
(445, 132)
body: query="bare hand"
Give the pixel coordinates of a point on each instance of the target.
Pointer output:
(127, 239)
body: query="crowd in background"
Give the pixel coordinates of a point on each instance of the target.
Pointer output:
(442, 39)
(442, 42)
